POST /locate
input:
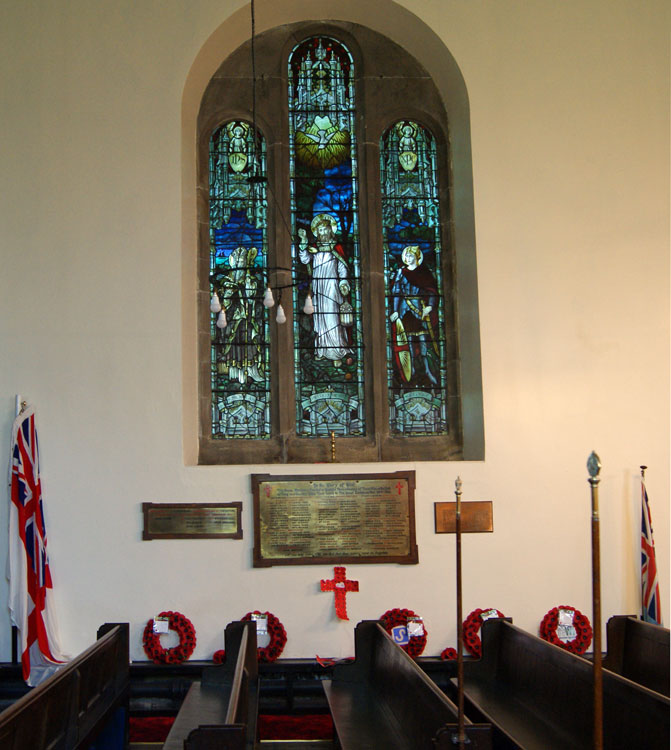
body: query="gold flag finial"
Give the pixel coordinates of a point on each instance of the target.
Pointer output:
(593, 465)
(593, 469)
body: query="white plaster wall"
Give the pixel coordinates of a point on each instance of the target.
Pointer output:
(570, 139)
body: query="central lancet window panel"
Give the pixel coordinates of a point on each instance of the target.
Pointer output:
(328, 336)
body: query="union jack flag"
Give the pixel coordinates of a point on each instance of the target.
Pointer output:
(649, 581)
(31, 586)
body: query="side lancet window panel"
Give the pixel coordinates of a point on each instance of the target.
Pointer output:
(239, 348)
(328, 338)
(416, 347)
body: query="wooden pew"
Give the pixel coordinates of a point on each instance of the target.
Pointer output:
(638, 651)
(73, 706)
(384, 700)
(221, 710)
(540, 697)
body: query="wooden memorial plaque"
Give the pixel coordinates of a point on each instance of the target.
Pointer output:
(192, 520)
(475, 517)
(346, 518)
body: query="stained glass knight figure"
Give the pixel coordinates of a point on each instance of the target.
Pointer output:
(414, 319)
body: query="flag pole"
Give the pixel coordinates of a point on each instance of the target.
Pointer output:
(594, 467)
(650, 599)
(18, 408)
(643, 468)
(461, 736)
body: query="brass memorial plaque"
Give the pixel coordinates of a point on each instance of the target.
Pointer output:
(475, 517)
(350, 518)
(192, 520)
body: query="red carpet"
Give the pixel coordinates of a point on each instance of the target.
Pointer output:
(149, 728)
(307, 727)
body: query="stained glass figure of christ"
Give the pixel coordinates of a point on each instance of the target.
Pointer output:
(240, 372)
(328, 359)
(416, 359)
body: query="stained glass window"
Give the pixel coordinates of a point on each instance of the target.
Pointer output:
(239, 364)
(416, 357)
(345, 211)
(328, 357)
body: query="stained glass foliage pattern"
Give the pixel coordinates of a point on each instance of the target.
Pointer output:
(240, 374)
(416, 354)
(328, 359)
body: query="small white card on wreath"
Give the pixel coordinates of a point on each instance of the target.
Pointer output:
(262, 634)
(565, 629)
(488, 614)
(261, 624)
(161, 625)
(415, 627)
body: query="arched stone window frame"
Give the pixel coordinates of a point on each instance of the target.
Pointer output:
(391, 85)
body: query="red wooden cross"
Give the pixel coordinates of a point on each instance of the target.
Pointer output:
(340, 585)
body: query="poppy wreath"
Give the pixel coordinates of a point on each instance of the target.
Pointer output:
(271, 652)
(448, 654)
(151, 641)
(393, 617)
(471, 627)
(583, 629)
(219, 656)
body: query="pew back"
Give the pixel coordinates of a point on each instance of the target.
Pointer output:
(638, 651)
(541, 696)
(69, 708)
(384, 699)
(221, 709)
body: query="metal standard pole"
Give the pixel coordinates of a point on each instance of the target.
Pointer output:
(594, 467)
(461, 737)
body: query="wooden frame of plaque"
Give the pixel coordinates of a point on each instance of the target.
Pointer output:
(192, 520)
(334, 518)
